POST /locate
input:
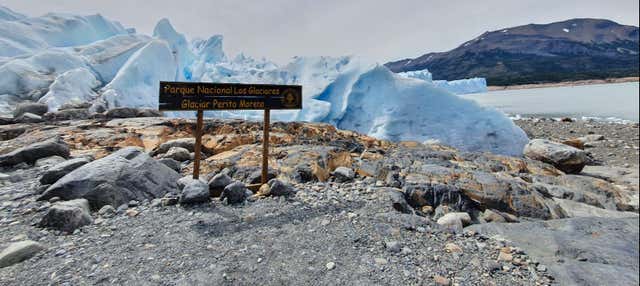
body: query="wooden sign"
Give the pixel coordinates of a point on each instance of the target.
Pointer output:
(228, 96)
(200, 96)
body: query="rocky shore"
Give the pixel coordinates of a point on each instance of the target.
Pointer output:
(610, 144)
(107, 199)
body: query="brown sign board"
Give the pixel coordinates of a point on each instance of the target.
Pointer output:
(200, 96)
(227, 96)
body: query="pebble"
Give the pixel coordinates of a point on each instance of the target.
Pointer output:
(393, 246)
(440, 280)
(452, 248)
(330, 265)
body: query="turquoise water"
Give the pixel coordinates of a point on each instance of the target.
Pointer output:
(604, 101)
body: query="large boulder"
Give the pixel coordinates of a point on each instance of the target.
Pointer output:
(67, 215)
(568, 159)
(30, 154)
(178, 153)
(195, 192)
(218, 183)
(30, 107)
(235, 193)
(128, 174)
(58, 171)
(19, 251)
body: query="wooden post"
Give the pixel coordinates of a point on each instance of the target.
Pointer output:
(196, 159)
(265, 145)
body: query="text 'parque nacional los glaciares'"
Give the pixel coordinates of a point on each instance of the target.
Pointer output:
(228, 96)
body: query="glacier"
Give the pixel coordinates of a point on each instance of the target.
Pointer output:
(92, 59)
(460, 86)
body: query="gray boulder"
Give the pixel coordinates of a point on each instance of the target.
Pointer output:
(121, 112)
(178, 153)
(67, 114)
(147, 112)
(67, 215)
(218, 183)
(566, 158)
(128, 174)
(30, 107)
(396, 198)
(280, 188)
(187, 143)
(195, 192)
(173, 164)
(235, 193)
(19, 251)
(60, 170)
(28, 118)
(577, 251)
(344, 174)
(30, 154)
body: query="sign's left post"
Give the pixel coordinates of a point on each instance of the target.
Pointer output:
(196, 157)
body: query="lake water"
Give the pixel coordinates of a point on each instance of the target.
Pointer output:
(604, 101)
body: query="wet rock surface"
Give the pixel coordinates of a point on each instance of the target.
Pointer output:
(407, 213)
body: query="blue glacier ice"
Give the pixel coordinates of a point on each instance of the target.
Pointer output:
(90, 58)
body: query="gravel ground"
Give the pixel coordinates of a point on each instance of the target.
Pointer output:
(327, 234)
(618, 149)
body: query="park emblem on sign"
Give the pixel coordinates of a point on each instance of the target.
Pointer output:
(200, 96)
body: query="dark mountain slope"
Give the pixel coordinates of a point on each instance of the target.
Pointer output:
(576, 49)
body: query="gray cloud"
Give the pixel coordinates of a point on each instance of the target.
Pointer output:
(380, 30)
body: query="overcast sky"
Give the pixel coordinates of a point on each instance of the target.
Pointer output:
(378, 30)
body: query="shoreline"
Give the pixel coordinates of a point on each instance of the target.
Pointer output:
(565, 83)
(618, 146)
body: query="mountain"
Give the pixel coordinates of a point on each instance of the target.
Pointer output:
(575, 49)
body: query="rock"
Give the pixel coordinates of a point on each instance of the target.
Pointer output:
(187, 143)
(6, 121)
(397, 199)
(566, 119)
(49, 161)
(235, 193)
(131, 212)
(184, 181)
(218, 183)
(60, 170)
(452, 248)
(393, 180)
(464, 218)
(30, 107)
(67, 216)
(195, 192)
(592, 249)
(30, 154)
(28, 118)
(492, 216)
(74, 105)
(441, 281)
(171, 163)
(107, 211)
(178, 153)
(330, 265)
(125, 175)
(280, 188)
(506, 257)
(566, 158)
(574, 142)
(148, 112)
(344, 174)
(303, 173)
(67, 114)
(393, 246)
(121, 112)
(575, 209)
(19, 251)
